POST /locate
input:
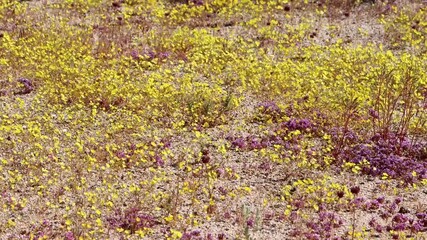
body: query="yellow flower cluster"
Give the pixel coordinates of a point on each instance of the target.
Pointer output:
(124, 133)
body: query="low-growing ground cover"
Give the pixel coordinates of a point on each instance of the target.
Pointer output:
(213, 119)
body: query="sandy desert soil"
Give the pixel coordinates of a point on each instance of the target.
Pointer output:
(213, 119)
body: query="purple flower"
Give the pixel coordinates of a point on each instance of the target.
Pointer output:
(374, 114)
(400, 227)
(265, 143)
(304, 124)
(197, 2)
(374, 204)
(69, 236)
(121, 154)
(164, 55)
(379, 228)
(380, 199)
(255, 144)
(27, 84)
(299, 204)
(222, 190)
(417, 227)
(291, 124)
(159, 161)
(239, 143)
(323, 216)
(269, 108)
(372, 222)
(398, 200)
(186, 236)
(313, 225)
(151, 55)
(350, 136)
(130, 219)
(189, 236)
(313, 236)
(293, 216)
(220, 172)
(250, 222)
(135, 55)
(358, 201)
(385, 214)
(400, 218)
(166, 143)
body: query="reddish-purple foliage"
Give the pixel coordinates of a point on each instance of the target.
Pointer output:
(320, 227)
(391, 154)
(69, 236)
(195, 234)
(131, 219)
